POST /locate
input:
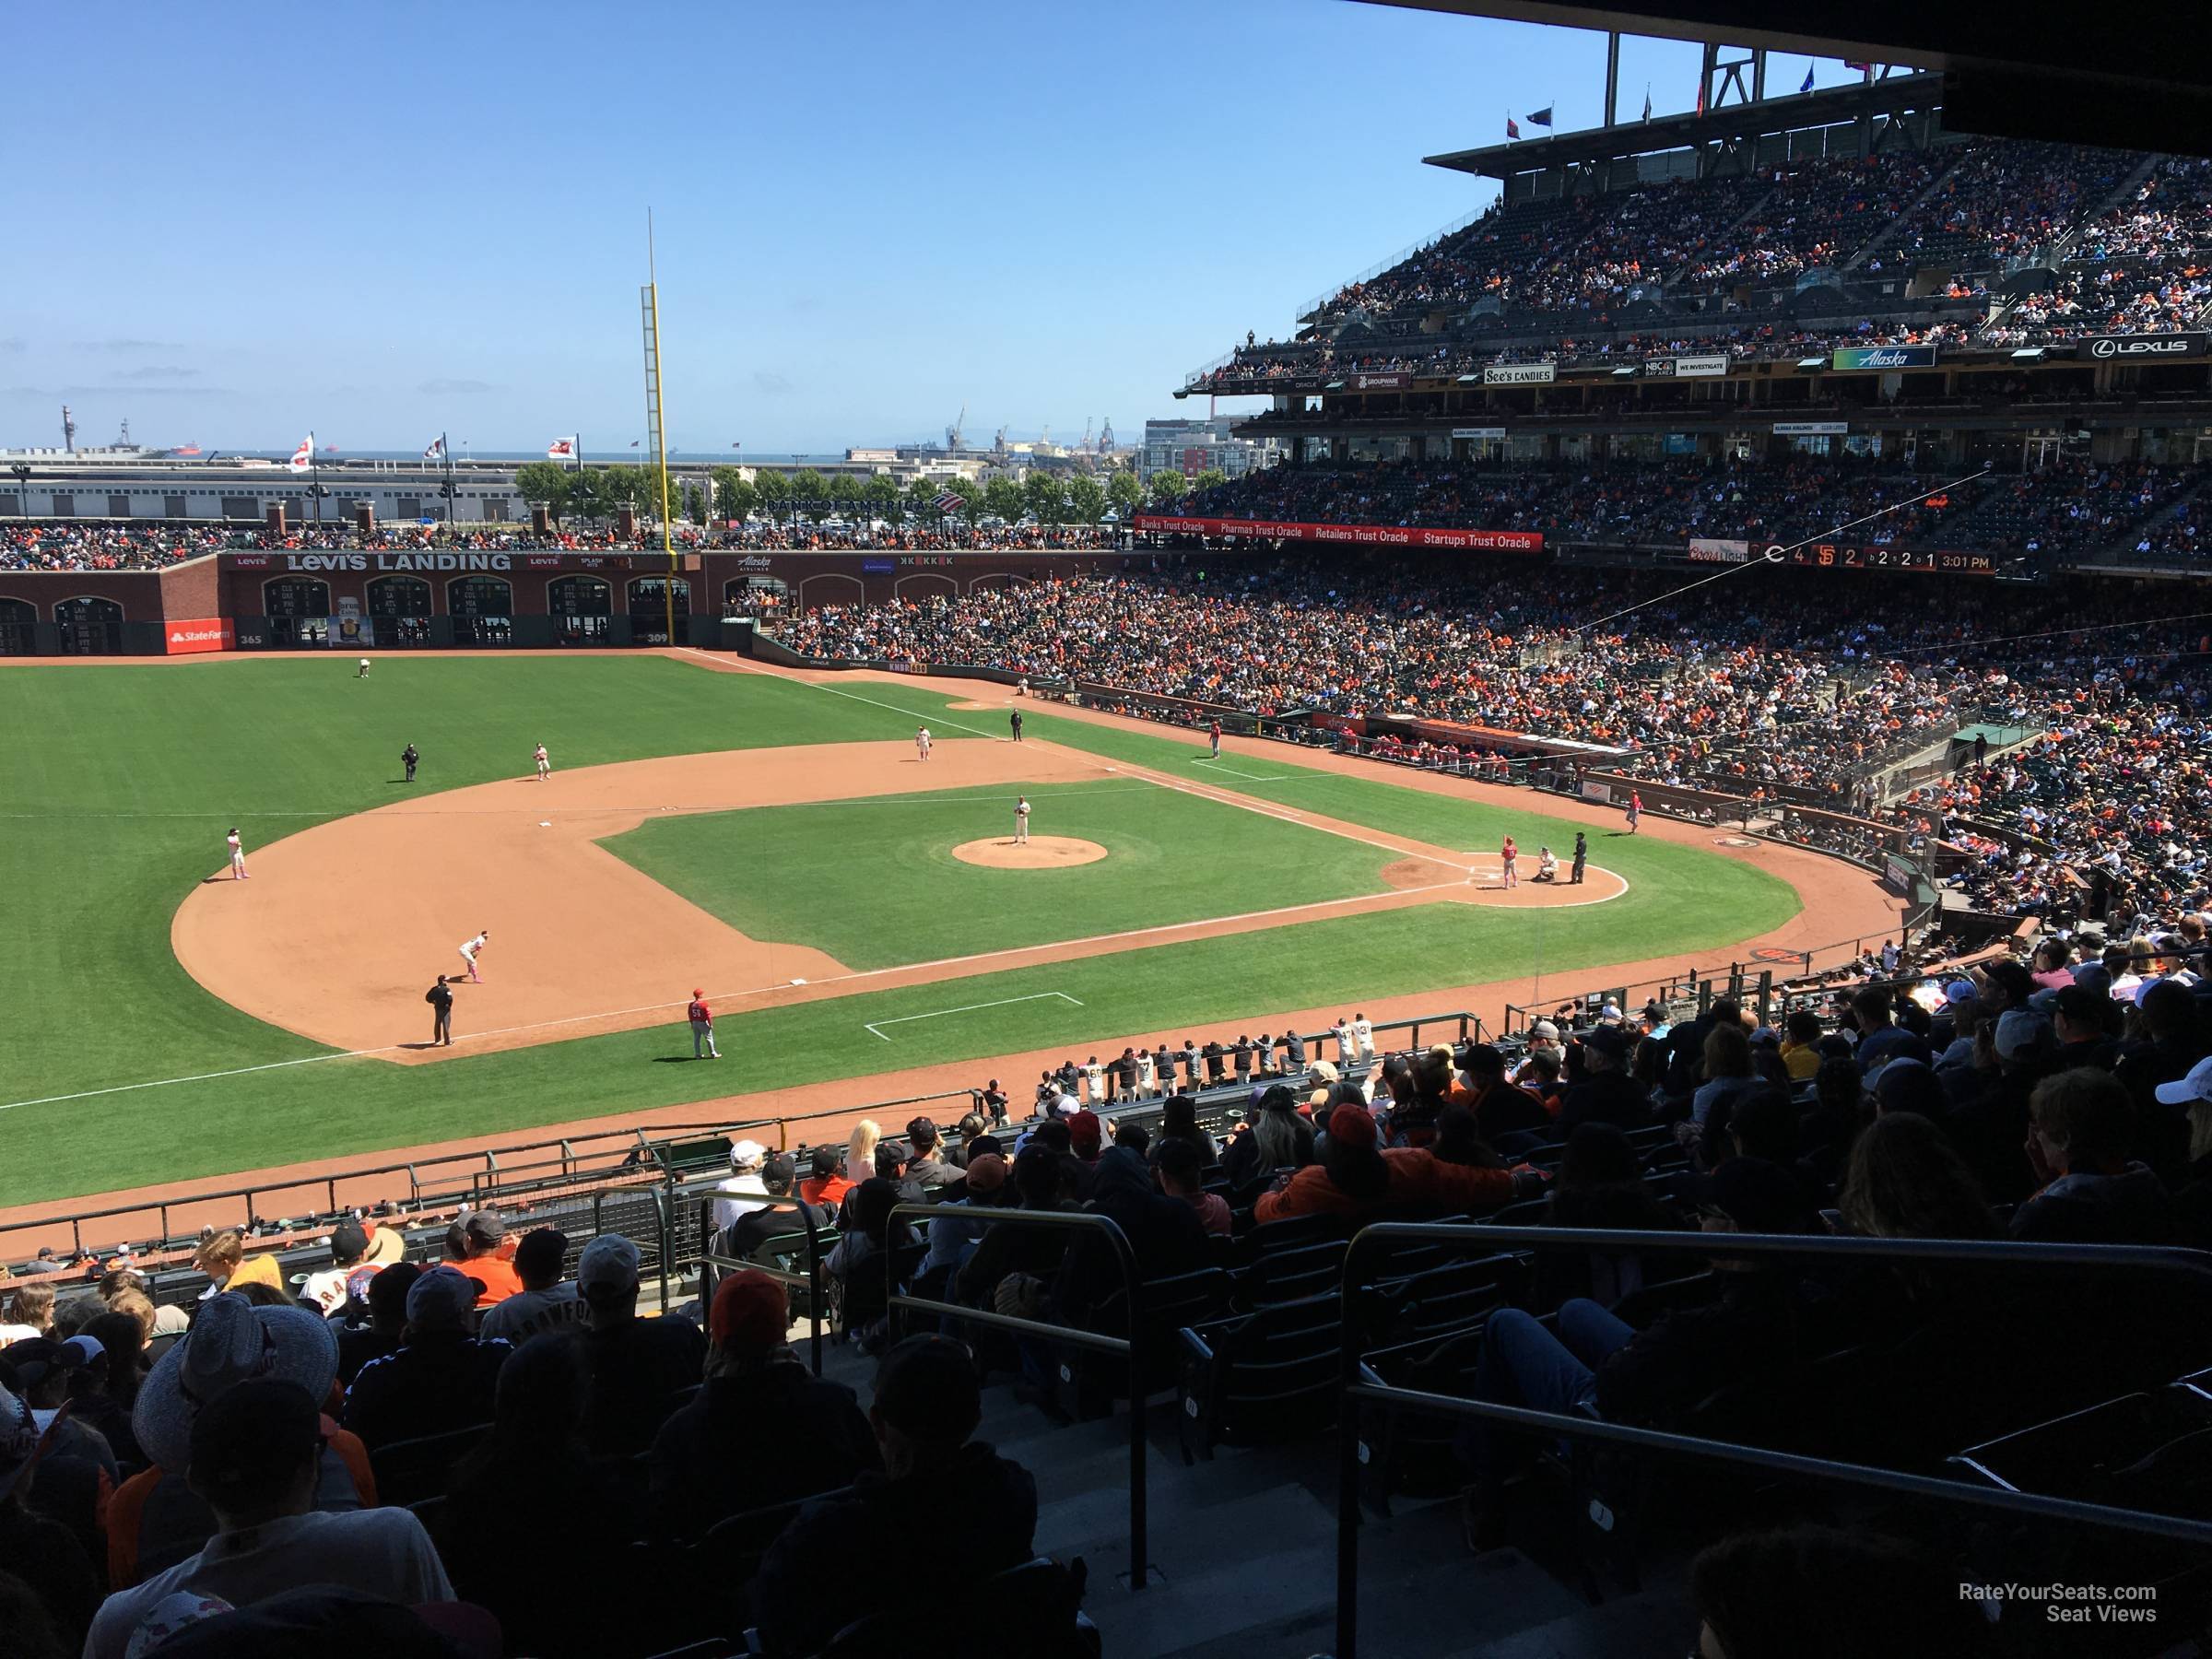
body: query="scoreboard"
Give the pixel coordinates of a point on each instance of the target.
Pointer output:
(1841, 556)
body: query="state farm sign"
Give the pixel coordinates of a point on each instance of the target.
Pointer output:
(1362, 536)
(200, 634)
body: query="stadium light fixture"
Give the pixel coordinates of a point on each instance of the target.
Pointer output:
(1812, 362)
(1470, 380)
(1628, 368)
(1333, 387)
(2029, 354)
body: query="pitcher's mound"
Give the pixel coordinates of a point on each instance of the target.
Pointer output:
(1038, 853)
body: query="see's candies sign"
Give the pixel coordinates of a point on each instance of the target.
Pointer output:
(207, 633)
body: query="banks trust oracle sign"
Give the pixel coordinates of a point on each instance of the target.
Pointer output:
(1363, 536)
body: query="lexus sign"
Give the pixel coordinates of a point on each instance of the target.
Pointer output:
(2143, 348)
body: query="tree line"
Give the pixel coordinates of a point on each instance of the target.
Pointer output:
(597, 492)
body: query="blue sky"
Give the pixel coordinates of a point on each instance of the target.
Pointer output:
(233, 223)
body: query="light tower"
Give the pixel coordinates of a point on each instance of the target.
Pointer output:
(649, 302)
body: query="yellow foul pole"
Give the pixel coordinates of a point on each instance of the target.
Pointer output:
(650, 298)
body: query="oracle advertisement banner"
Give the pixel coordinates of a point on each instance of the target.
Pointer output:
(1362, 535)
(201, 633)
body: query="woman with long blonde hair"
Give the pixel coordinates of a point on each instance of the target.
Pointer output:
(860, 1152)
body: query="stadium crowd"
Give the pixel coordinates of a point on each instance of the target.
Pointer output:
(1721, 258)
(250, 1468)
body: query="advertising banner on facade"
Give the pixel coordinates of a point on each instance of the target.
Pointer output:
(1811, 429)
(2143, 348)
(1479, 433)
(200, 634)
(1520, 375)
(1720, 550)
(1363, 536)
(1395, 380)
(1687, 366)
(1885, 357)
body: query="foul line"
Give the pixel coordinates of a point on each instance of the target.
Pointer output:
(1004, 1002)
(1248, 776)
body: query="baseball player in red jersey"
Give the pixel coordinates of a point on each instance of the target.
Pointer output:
(702, 1027)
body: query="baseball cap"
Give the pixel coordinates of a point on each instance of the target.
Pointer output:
(348, 1243)
(1959, 991)
(926, 1389)
(483, 1226)
(749, 1311)
(442, 1299)
(2196, 1086)
(986, 1172)
(388, 1291)
(748, 1155)
(825, 1162)
(2023, 1031)
(1611, 1042)
(2094, 976)
(609, 1260)
(38, 1357)
(1544, 1028)
(1352, 1125)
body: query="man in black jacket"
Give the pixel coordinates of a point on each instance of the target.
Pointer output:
(1607, 1094)
(764, 1430)
(937, 1483)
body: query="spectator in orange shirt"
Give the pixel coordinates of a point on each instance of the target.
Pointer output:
(477, 1244)
(828, 1186)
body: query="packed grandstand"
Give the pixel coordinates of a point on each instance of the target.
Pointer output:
(2029, 1063)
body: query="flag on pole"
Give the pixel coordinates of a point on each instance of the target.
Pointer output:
(435, 449)
(1809, 80)
(561, 449)
(633, 444)
(1647, 101)
(949, 502)
(304, 456)
(1700, 95)
(1512, 128)
(1540, 117)
(1862, 68)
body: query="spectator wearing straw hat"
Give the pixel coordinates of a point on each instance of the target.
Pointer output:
(155, 1518)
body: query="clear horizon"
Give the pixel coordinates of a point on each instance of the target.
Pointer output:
(282, 221)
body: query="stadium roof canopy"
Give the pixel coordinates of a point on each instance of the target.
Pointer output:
(2135, 78)
(1831, 104)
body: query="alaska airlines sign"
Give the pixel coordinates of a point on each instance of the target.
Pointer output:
(2143, 348)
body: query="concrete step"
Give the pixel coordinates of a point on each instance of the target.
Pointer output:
(1652, 1624)
(1214, 1569)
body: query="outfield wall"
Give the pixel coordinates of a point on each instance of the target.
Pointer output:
(395, 599)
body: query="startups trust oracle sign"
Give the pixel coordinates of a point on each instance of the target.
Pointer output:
(1365, 535)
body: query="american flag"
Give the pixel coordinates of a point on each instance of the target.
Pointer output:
(949, 502)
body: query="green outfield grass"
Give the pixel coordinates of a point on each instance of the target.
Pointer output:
(120, 781)
(873, 881)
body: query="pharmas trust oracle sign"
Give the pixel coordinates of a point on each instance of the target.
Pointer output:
(1363, 536)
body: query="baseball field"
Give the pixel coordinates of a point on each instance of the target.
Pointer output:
(852, 912)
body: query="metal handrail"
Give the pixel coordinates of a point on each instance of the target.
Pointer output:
(711, 1259)
(1133, 1345)
(1361, 1386)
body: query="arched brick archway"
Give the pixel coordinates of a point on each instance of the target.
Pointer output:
(829, 587)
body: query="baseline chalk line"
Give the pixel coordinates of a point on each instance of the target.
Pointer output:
(875, 1027)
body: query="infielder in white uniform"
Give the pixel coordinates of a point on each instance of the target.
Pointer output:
(1342, 1031)
(1021, 820)
(468, 954)
(362, 672)
(238, 854)
(1363, 1034)
(545, 766)
(922, 743)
